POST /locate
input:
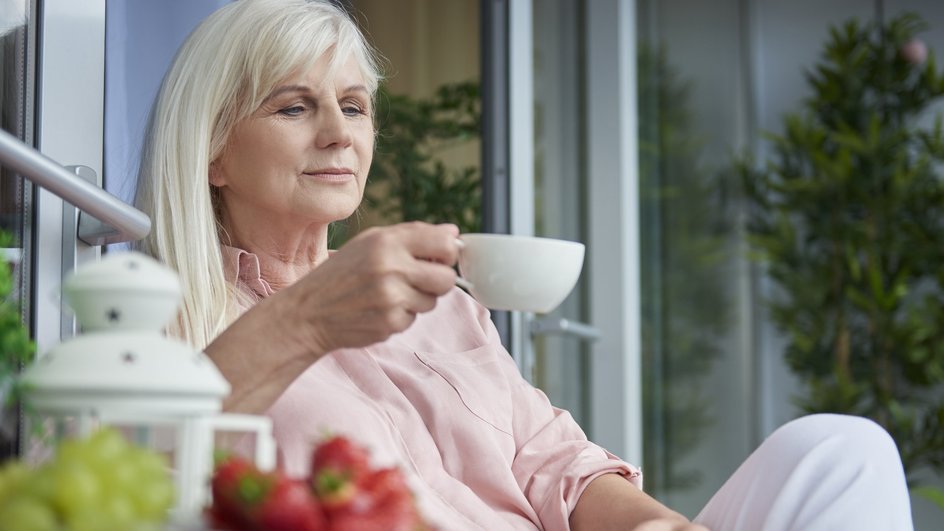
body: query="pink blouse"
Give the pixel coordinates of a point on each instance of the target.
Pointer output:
(481, 447)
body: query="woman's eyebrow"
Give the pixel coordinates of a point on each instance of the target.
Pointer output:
(286, 88)
(356, 88)
(302, 88)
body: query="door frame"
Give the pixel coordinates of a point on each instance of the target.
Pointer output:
(612, 177)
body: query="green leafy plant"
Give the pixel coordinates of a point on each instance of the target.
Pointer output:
(410, 179)
(848, 215)
(684, 307)
(16, 347)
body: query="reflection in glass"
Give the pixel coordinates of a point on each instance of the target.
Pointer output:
(562, 363)
(15, 113)
(697, 371)
(12, 100)
(684, 307)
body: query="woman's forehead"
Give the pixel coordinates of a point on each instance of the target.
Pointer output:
(325, 72)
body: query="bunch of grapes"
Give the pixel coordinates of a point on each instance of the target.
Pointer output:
(101, 483)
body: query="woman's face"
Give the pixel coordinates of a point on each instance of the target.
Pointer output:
(302, 157)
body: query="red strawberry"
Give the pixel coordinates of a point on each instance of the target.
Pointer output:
(394, 513)
(290, 506)
(337, 467)
(236, 485)
(383, 502)
(342, 456)
(246, 499)
(386, 482)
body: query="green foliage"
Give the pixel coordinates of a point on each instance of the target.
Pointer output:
(16, 348)
(409, 179)
(684, 307)
(848, 215)
(934, 494)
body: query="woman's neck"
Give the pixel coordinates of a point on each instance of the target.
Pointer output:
(284, 256)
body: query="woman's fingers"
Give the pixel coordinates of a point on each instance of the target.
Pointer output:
(418, 253)
(378, 283)
(431, 242)
(419, 302)
(431, 277)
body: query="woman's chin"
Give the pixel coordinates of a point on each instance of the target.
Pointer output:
(331, 209)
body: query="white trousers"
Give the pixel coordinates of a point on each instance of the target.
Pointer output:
(817, 473)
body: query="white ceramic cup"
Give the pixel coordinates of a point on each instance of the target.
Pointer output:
(520, 273)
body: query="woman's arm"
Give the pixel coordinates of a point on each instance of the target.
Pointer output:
(611, 503)
(260, 355)
(366, 292)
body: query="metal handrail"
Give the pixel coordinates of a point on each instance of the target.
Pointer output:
(129, 222)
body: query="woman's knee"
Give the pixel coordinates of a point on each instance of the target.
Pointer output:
(855, 436)
(834, 424)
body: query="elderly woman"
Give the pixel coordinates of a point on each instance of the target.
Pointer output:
(261, 137)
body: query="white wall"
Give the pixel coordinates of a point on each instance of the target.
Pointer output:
(141, 39)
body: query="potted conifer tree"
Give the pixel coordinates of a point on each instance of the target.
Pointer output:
(848, 216)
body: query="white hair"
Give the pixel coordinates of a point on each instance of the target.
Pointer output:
(221, 75)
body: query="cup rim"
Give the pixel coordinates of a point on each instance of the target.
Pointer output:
(502, 236)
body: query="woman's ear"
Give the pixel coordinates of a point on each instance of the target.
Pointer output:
(216, 176)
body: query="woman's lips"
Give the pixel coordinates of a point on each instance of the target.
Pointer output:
(333, 175)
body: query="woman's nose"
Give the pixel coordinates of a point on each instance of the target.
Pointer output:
(333, 129)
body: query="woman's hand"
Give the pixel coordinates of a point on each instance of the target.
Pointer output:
(366, 292)
(374, 286)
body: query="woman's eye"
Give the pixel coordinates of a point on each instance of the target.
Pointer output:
(353, 110)
(294, 110)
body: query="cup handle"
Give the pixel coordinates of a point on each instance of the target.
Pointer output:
(464, 284)
(461, 282)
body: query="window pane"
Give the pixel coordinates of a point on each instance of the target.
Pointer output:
(561, 362)
(427, 159)
(697, 367)
(16, 107)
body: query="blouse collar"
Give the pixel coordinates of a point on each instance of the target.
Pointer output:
(242, 268)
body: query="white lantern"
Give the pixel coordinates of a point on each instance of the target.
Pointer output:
(122, 370)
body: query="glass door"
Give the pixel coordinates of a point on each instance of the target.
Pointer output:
(69, 130)
(17, 63)
(580, 183)
(561, 359)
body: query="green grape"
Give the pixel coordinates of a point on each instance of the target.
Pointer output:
(147, 526)
(150, 466)
(12, 476)
(41, 483)
(153, 499)
(71, 451)
(102, 483)
(153, 491)
(77, 488)
(121, 476)
(106, 445)
(119, 510)
(91, 519)
(26, 513)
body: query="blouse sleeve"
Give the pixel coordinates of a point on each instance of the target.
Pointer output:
(554, 462)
